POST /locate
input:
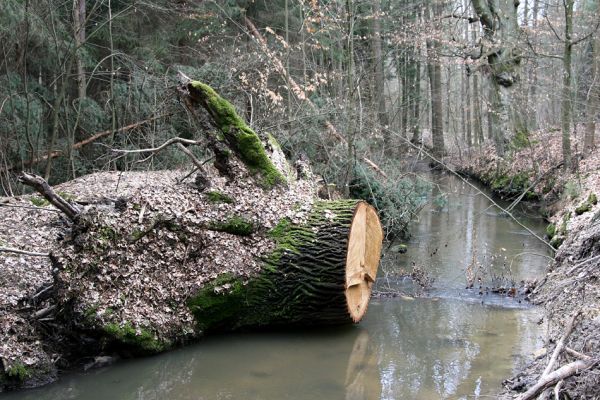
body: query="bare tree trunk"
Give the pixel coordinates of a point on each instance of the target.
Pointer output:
(416, 90)
(565, 114)
(593, 101)
(379, 73)
(79, 17)
(532, 117)
(435, 83)
(350, 132)
(500, 48)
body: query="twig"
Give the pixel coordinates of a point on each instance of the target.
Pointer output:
(24, 252)
(557, 389)
(561, 343)
(582, 263)
(577, 354)
(562, 373)
(41, 186)
(44, 290)
(30, 207)
(44, 312)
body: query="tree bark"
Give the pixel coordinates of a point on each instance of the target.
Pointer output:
(79, 18)
(499, 47)
(593, 103)
(565, 114)
(325, 279)
(435, 84)
(379, 71)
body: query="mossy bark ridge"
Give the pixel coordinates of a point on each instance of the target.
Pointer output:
(321, 272)
(238, 135)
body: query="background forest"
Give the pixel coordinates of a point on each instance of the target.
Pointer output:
(358, 87)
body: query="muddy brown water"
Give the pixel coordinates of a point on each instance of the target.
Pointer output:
(451, 344)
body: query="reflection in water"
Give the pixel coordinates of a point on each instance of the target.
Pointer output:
(362, 380)
(427, 348)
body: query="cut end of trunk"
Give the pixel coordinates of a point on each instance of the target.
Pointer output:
(362, 260)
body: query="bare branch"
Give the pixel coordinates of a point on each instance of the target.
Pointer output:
(155, 150)
(23, 252)
(562, 373)
(471, 19)
(561, 343)
(30, 207)
(586, 36)
(41, 186)
(85, 142)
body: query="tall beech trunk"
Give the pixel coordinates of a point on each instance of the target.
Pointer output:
(79, 17)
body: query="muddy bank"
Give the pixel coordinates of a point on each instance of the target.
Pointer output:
(571, 286)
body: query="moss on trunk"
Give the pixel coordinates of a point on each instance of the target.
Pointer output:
(240, 137)
(302, 280)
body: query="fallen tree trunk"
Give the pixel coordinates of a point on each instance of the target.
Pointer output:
(145, 262)
(320, 273)
(250, 247)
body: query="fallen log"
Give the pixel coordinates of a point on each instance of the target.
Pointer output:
(251, 247)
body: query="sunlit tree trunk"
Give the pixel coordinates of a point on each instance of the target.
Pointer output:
(416, 90)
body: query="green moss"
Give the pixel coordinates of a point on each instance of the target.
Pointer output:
(399, 248)
(107, 234)
(587, 205)
(145, 341)
(218, 197)
(235, 225)
(521, 140)
(551, 230)
(18, 372)
(265, 299)
(241, 137)
(67, 196)
(39, 201)
(218, 303)
(557, 241)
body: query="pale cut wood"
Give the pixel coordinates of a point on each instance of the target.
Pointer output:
(362, 261)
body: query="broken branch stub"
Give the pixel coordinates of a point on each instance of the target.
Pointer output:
(236, 134)
(41, 186)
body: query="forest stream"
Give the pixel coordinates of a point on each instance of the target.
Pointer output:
(449, 342)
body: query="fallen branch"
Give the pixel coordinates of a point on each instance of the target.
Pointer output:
(577, 354)
(30, 207)
(561, 343)
(41, 186)
(534, 184)
(44, 312)
(85, 142)
(562, 373)
(24, 252)
(155, 150)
